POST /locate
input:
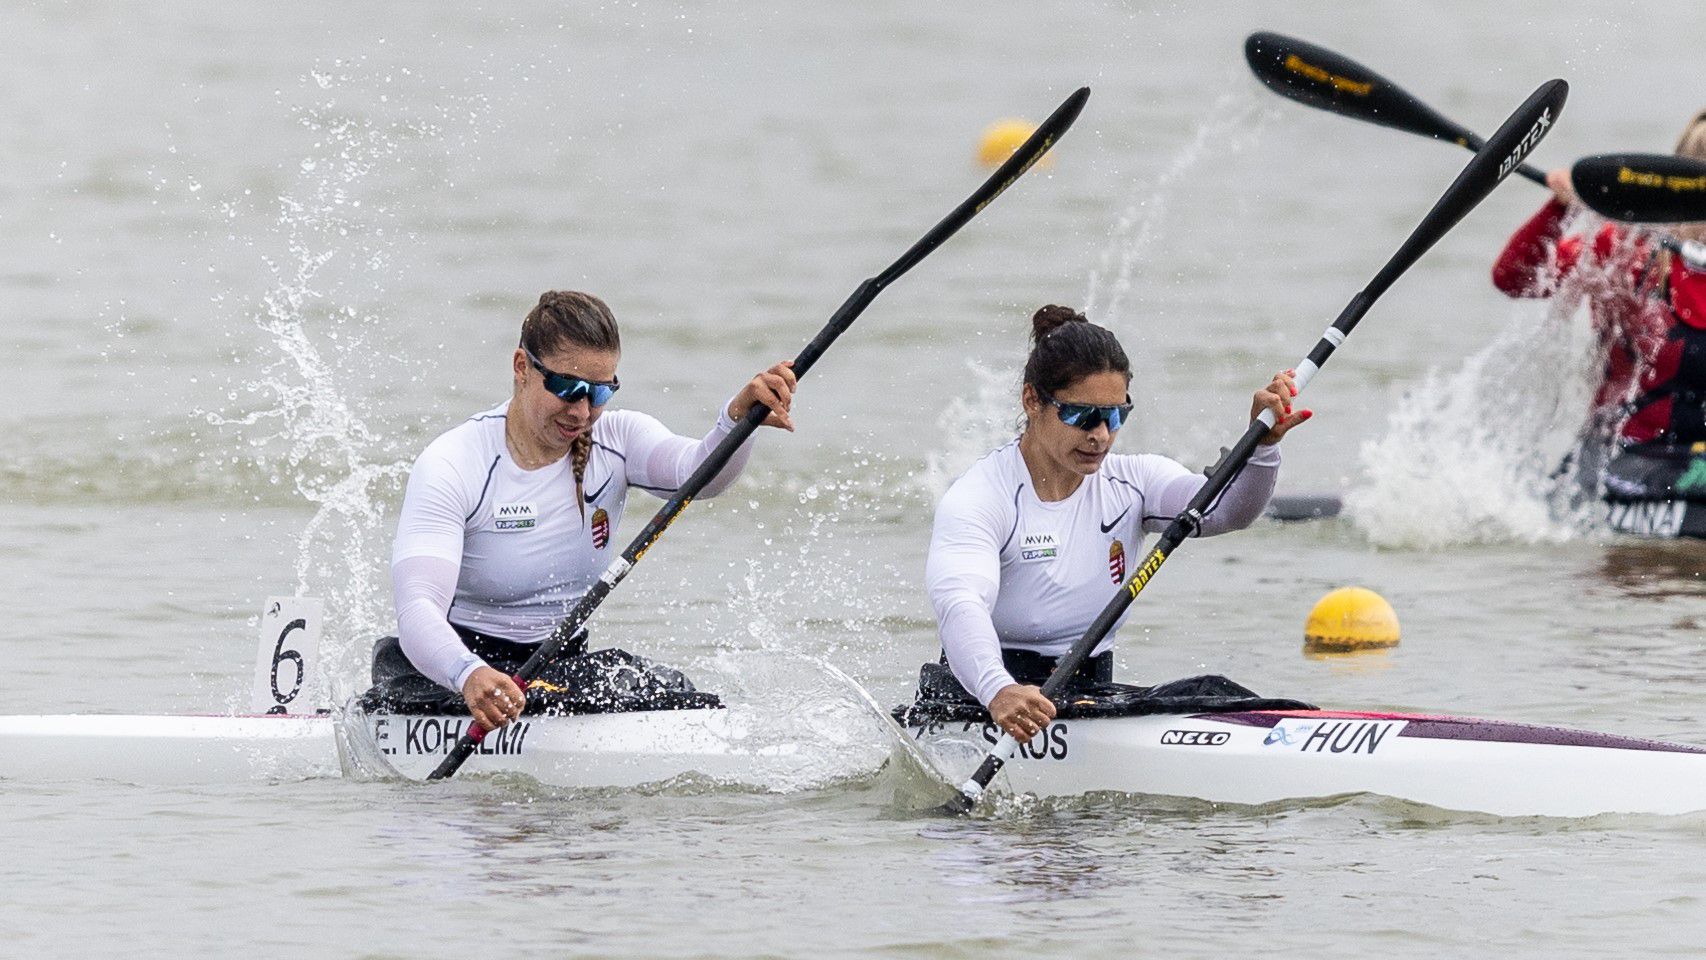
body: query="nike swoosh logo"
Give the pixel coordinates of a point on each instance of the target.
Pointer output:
(1109, 526)
(600, 491)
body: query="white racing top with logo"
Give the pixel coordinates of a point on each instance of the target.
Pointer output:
(1007, 570)
(507, 552)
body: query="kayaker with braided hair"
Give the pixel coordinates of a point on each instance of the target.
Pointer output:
(509, 517)
(1030, 544)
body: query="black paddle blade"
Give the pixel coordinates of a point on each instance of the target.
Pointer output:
(1642, 187)
(1319, 77)
(1497, 159)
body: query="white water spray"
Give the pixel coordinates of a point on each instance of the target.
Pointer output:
(1479, 454)
(307, 427)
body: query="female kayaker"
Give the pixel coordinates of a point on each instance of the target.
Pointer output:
(1647, 305)
(1030, 544)
(508, 518)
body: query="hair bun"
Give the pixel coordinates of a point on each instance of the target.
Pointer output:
(1051, 318)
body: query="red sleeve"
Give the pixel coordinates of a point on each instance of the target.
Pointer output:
(1535, 258)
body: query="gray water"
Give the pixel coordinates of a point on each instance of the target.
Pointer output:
(258, 255)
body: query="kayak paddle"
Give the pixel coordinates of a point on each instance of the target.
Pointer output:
(1022, 159)
(1494, 161)
(1642, 187)
(1635, 187)
(1302, 71)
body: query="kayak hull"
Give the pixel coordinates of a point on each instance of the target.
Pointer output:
(1249, 758)
(583, 751)
(1265, 757)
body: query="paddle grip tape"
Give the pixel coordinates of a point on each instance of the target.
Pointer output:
(1306, 371)
(998, 756)
(1694, 253)
(614, 573)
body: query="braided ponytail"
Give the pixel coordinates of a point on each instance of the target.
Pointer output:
(580, 451)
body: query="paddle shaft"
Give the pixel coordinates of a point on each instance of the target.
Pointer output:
(1497, 158)
(1022, 160)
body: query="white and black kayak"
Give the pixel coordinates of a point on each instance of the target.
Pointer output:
(1278, 756)
(286, 738)
(1246, 757)
(1657, 491)
(582, 751)
(1204, 738)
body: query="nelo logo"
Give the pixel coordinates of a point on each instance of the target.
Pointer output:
(1195, 738)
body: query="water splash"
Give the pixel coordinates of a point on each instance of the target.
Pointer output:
(296, 401)
(972, 426)
(1479, 454)
(1234, 123)
(976, 424)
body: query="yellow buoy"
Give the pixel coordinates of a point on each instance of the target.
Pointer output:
(1002, 138)
(1350, 618)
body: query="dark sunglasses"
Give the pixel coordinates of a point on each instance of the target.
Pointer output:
(1085, 416)
(570, 389)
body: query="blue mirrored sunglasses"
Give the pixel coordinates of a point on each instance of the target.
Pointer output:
(1085, 416)
(570, 389)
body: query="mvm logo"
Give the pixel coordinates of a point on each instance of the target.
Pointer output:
(1195, 738)
(1039, 546)
(515, 516)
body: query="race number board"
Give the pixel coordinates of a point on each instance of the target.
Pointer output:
(287, 660)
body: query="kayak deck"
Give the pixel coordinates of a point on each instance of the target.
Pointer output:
(1249, 757)
(1269, 756)
(588, 750)
(168, 749)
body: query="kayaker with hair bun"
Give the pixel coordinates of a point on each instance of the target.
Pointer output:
(510, 517)
(1030, 544)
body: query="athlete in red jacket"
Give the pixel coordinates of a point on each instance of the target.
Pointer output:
(1647, 304)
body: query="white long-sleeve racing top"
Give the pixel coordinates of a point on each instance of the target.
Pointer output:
(486, 545)
(1007, 570)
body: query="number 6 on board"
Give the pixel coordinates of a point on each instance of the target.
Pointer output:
(286, 658)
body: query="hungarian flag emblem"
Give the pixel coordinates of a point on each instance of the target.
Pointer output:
(1116, 562)
(601, 529)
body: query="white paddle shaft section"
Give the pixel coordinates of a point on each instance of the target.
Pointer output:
(1001, 753)
(614, 573)
(1694, 252)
